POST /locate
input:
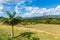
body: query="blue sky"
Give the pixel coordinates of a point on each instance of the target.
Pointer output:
(44, 3)
(30, 8)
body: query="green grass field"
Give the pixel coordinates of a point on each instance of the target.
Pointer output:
(42, 31)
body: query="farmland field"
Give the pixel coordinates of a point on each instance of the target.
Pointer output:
(43, 31)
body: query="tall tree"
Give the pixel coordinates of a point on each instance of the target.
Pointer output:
(12, 20)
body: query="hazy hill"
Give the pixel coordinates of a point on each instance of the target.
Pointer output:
(45, 17)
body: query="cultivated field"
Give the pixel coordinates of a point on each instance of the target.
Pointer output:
(43, 31)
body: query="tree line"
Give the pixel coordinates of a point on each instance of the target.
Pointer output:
(42, 21)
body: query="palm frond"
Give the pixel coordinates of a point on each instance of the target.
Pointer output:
(9, 14)
(12, 20)
(14, 13)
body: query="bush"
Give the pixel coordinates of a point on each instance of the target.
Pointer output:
(26, 36)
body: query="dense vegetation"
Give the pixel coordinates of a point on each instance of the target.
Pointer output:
(43, 21)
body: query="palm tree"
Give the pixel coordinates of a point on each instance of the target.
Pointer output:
(12, 20)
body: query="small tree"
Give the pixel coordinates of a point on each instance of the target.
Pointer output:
(12, 20)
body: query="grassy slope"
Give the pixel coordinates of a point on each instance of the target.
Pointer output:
(51, 28)
(46, 34)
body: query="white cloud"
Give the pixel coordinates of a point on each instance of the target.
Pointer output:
(16, 9)
(10, 2)
(20, 4)
(30, 11)
(14, 1)
(1, 8)
(35, 11)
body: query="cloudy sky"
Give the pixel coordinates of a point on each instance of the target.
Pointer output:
(30, 8)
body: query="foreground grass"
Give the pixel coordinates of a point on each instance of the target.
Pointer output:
(46, 34)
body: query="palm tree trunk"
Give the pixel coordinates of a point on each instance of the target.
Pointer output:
(12, 34)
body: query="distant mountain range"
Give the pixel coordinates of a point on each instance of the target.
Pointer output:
(45, 17)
